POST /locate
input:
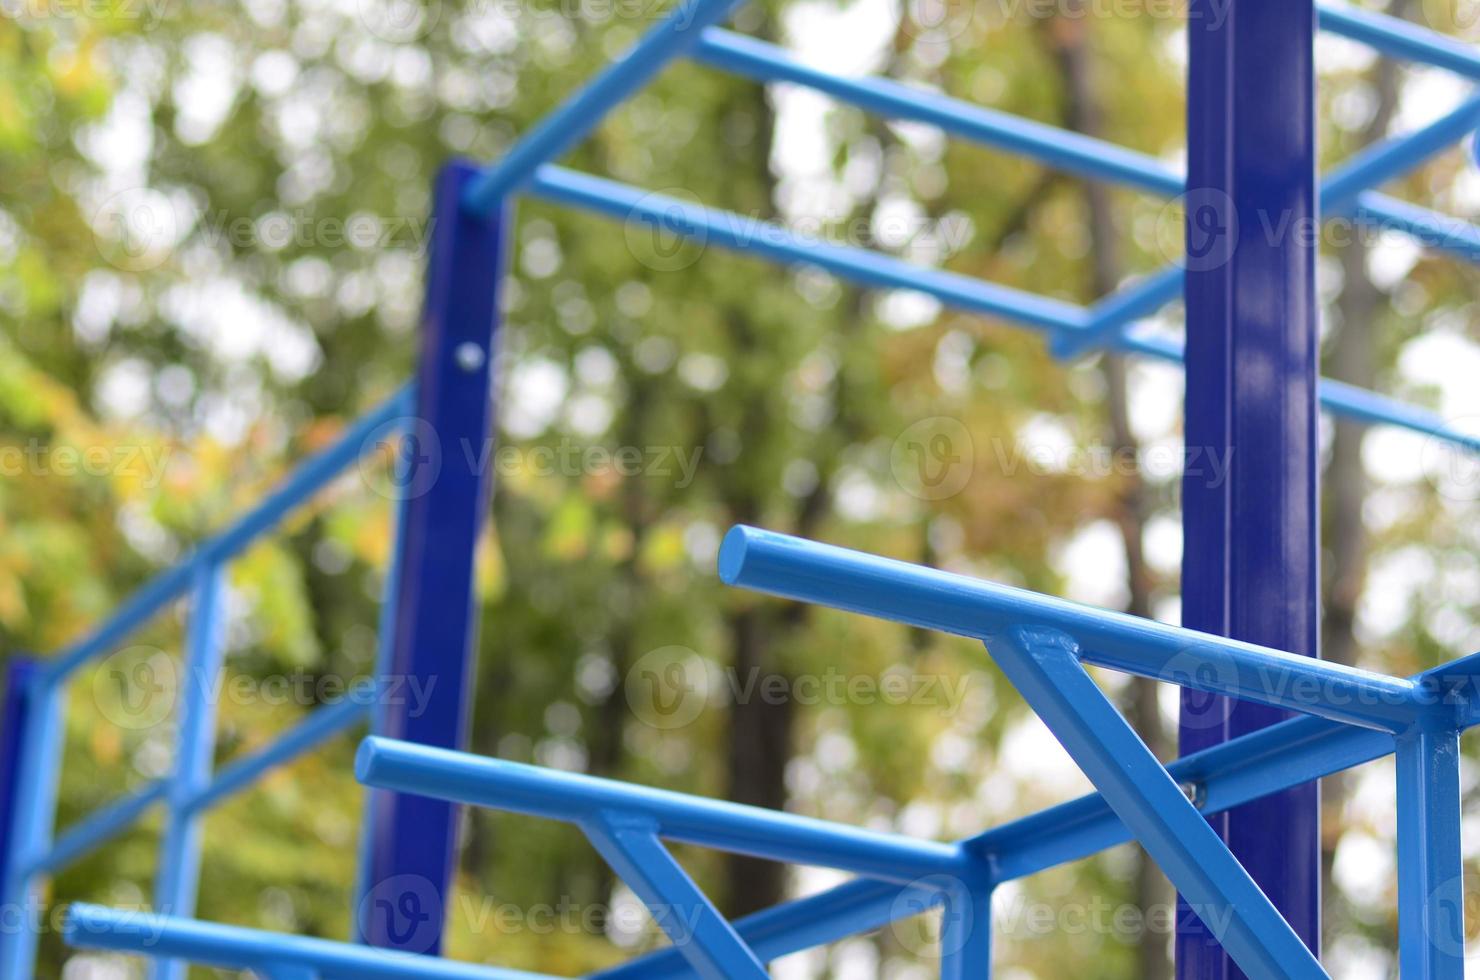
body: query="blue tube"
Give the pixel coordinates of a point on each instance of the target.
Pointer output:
(839, 578)
(477, 781)
(1432, 230)
(320, 726)
(739, 233)
(231, 947)
(1399, 38)
(583, 112)
(1394, 157)
(1067, 150)
(98, 827)
(1431, 896)
(1042, 665)
(310, 477)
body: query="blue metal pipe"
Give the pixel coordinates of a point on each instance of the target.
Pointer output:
(178, 876)
(1061, 148)
(1431, 896)
(575, 798)
(1394, 157)
(1399, 38)
(320, 726)
(35, 814)
(630, 845)
(840, 578)
(1431, 229)
(584, 111)
(98, 827)
(855, 907)
(234, 948)
(1042, 664)
(739, 233)
(307, 479)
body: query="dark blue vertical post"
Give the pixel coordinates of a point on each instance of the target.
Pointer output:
(18, 674)
(1250, 539)
(445, 483)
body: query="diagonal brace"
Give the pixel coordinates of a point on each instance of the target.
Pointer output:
(1042, 664)
(705, 938)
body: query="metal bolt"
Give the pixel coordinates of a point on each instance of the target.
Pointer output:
(1194, 792)
(469, 356)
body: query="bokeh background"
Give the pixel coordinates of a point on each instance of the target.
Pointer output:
(212, 233)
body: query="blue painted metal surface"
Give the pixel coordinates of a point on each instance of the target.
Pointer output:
(446, 489)
(1358, 712)
(1043, 665)
(19, 670)
(178, 877)
(1251, 538)
(265, 953)
(1431, 898)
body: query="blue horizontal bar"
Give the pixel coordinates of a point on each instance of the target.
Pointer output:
(321, 725)
(102, 825)
(584, 111)
(840, 578)
(1394, 157)
(235, 948)
(98, 827)
(303, 482)
(477, 781)
(1429, 228)
(1399, 38)
(740, 233)
(1067, 150)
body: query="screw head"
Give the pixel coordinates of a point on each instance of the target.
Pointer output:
(469, 356)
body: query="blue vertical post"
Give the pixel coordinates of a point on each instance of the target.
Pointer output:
(1250, 539)
(19, 671)
(178, 876)
(34, 813)
(448, 451)
(1431, 896)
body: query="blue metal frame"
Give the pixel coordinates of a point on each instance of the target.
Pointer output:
(1347, 716)
(1251, 539)
(410, 842)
